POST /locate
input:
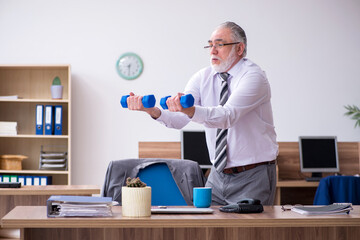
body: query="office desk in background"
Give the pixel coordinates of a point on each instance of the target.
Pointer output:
(297, 185)
(273, 223)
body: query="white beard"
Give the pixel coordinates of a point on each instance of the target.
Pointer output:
(224, 64)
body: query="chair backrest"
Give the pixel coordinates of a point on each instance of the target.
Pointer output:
(338, 189)
(164, 191)
(187, 174)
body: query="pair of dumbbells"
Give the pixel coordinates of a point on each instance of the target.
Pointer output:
(148, 101)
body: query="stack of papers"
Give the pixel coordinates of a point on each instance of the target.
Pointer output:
(84, 210)
(335, 208)
(53, 160)
(8, 128)
(79, 206)
(12, 97)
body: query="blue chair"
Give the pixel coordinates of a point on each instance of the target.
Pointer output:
(164, 191)
(338, 189)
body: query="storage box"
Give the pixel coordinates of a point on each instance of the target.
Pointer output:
(11, 162)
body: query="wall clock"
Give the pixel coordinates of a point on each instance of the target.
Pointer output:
(129, 66)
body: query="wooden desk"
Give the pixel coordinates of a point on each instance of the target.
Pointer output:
(273, 223)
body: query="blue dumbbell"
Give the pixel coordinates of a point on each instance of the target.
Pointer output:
(148, 101)
(186, 101)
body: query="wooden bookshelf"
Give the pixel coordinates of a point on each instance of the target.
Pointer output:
(31, 83)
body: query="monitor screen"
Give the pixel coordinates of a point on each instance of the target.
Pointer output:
(318, 154)
(193, 147)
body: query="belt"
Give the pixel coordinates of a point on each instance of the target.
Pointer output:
(246, 167)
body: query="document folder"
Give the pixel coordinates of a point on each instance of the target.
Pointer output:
(6, 178)
(79, 206)
(39, 119)
(58, 120)
(21, 179)
(28, 180)
(13, 178)
(45, 180)
(49, 120)
(36, 180)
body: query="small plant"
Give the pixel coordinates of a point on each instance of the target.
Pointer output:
(135, 182)
(56, 81)
(355, 112)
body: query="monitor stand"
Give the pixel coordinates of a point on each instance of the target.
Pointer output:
(315, 177)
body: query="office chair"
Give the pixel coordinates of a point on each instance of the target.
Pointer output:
(164, 191)
(172, 187)
(338, 189)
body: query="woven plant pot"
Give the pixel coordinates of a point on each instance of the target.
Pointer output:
(136, 202)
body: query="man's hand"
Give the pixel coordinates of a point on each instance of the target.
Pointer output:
(135, 104)
(174, 105)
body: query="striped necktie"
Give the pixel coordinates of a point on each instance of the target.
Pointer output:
(221, 135)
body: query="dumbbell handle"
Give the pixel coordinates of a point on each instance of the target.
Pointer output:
(148, 101)
(186, 101)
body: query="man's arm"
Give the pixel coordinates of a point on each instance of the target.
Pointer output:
(154, 112)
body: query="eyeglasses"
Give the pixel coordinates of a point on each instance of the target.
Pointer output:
(288, 207)
(219, 45)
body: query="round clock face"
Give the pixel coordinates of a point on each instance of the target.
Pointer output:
(129, 66)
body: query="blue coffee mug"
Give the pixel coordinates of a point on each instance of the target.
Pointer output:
(202, 197)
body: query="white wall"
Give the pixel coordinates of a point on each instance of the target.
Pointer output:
(309, 49)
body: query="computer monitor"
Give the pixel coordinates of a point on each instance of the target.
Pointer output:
(318, 155)
(193, 147)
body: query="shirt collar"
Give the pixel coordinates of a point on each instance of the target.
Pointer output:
(236, 68)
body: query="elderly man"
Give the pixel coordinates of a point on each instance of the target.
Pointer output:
(232, 101)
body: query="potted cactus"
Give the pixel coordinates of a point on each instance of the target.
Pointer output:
(56, 89)
(136, 198)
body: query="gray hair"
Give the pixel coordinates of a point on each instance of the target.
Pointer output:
(238, 34)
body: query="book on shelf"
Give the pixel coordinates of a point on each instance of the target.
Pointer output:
(8, 133)
(11, 97)
(336, 208)
(8, 128)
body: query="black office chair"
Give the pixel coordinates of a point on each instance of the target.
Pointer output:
(186, 175)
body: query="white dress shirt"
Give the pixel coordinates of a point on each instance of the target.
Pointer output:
(247, 114)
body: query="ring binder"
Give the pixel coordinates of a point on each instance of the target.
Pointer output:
(49, 120)
(39, 120)
(58, 120)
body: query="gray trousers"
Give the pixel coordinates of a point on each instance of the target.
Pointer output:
(258, 183)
